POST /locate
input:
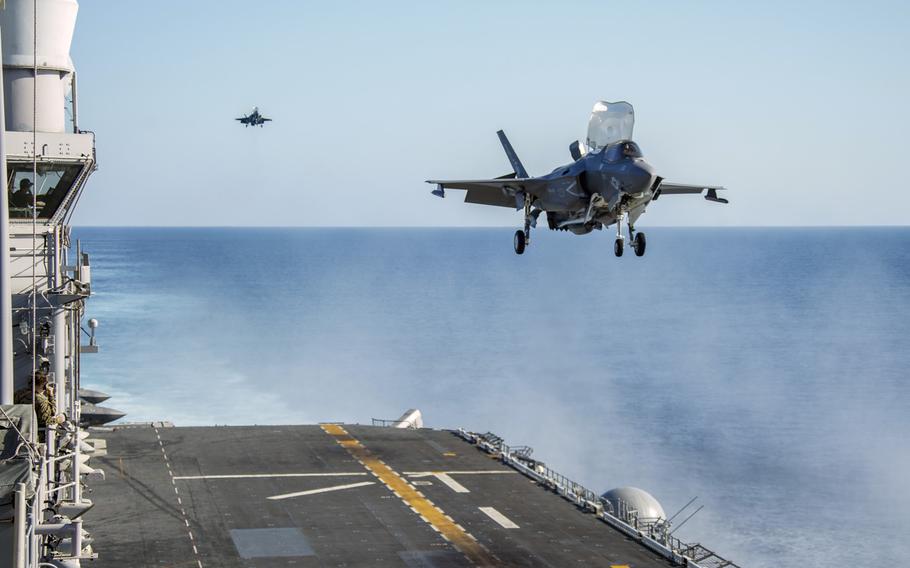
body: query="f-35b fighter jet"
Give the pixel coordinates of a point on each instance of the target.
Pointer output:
(253, 119)
(609, 183)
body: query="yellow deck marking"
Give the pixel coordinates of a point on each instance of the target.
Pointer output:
(619, 566)
(434, 516)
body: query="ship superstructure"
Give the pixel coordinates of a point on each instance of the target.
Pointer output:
(44, 284)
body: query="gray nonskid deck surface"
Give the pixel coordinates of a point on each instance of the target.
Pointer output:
(157, 494)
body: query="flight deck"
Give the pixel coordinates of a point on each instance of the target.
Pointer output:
(333, 495)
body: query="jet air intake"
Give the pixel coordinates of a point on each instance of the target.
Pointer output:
(56, 20)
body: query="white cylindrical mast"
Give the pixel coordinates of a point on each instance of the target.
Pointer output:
(7, 380)
(56, 22)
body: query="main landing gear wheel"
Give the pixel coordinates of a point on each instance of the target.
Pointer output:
(639, 243)
(519, 242)
(617, 247)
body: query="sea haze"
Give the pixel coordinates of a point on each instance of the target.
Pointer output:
(762, 370)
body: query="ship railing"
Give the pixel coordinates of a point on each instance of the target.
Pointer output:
(61, 486)
(652, 533)
(523, 451)
(703, 556)
(36, 537)
(388, 423)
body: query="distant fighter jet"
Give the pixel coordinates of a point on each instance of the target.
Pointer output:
(608, 182)
(253, 119)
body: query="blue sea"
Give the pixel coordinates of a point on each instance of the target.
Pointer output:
(764, 371)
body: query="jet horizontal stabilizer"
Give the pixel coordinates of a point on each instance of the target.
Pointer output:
(666, 188)
(712, 196)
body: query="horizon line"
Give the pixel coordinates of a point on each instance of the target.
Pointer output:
(510, 227)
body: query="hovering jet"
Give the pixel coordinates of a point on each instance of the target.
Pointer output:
(609, 183)
(253, 119)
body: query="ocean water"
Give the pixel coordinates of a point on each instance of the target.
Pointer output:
(763, 370)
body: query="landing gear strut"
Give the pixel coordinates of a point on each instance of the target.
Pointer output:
(523, 237)
(618, 244)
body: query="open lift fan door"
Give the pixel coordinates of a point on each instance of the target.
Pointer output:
(609, 122)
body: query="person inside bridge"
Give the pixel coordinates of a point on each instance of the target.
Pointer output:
(23, 197)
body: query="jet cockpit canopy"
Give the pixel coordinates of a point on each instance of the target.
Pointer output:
(609, 123)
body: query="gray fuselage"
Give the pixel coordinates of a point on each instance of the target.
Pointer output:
(617, 173)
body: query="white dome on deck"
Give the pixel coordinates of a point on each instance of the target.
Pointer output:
(638, 499)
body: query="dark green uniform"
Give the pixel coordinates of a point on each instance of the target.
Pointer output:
(44, 407)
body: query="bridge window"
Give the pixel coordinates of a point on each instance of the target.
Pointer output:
(47, 191)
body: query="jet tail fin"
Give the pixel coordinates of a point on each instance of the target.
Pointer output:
(520, 170)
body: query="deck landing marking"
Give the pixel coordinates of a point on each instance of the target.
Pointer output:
(322, 490)
(451, 483)
(265, 475)
(461, 472)
(435, 517)
(501, 519)
(186, 519)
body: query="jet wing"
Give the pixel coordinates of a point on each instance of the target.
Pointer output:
(499, 192)
(667, 188)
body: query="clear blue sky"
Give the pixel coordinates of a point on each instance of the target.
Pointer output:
(800, 109)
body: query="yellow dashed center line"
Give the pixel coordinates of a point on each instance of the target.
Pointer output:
(433, 515)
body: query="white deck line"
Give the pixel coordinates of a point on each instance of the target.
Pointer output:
(322, 490)
(458, 472)
(501, 519)
(451, 483)
(186, 521)
(264, 475)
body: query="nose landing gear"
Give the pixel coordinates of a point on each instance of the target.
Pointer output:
(618, 244)
(636, 239)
